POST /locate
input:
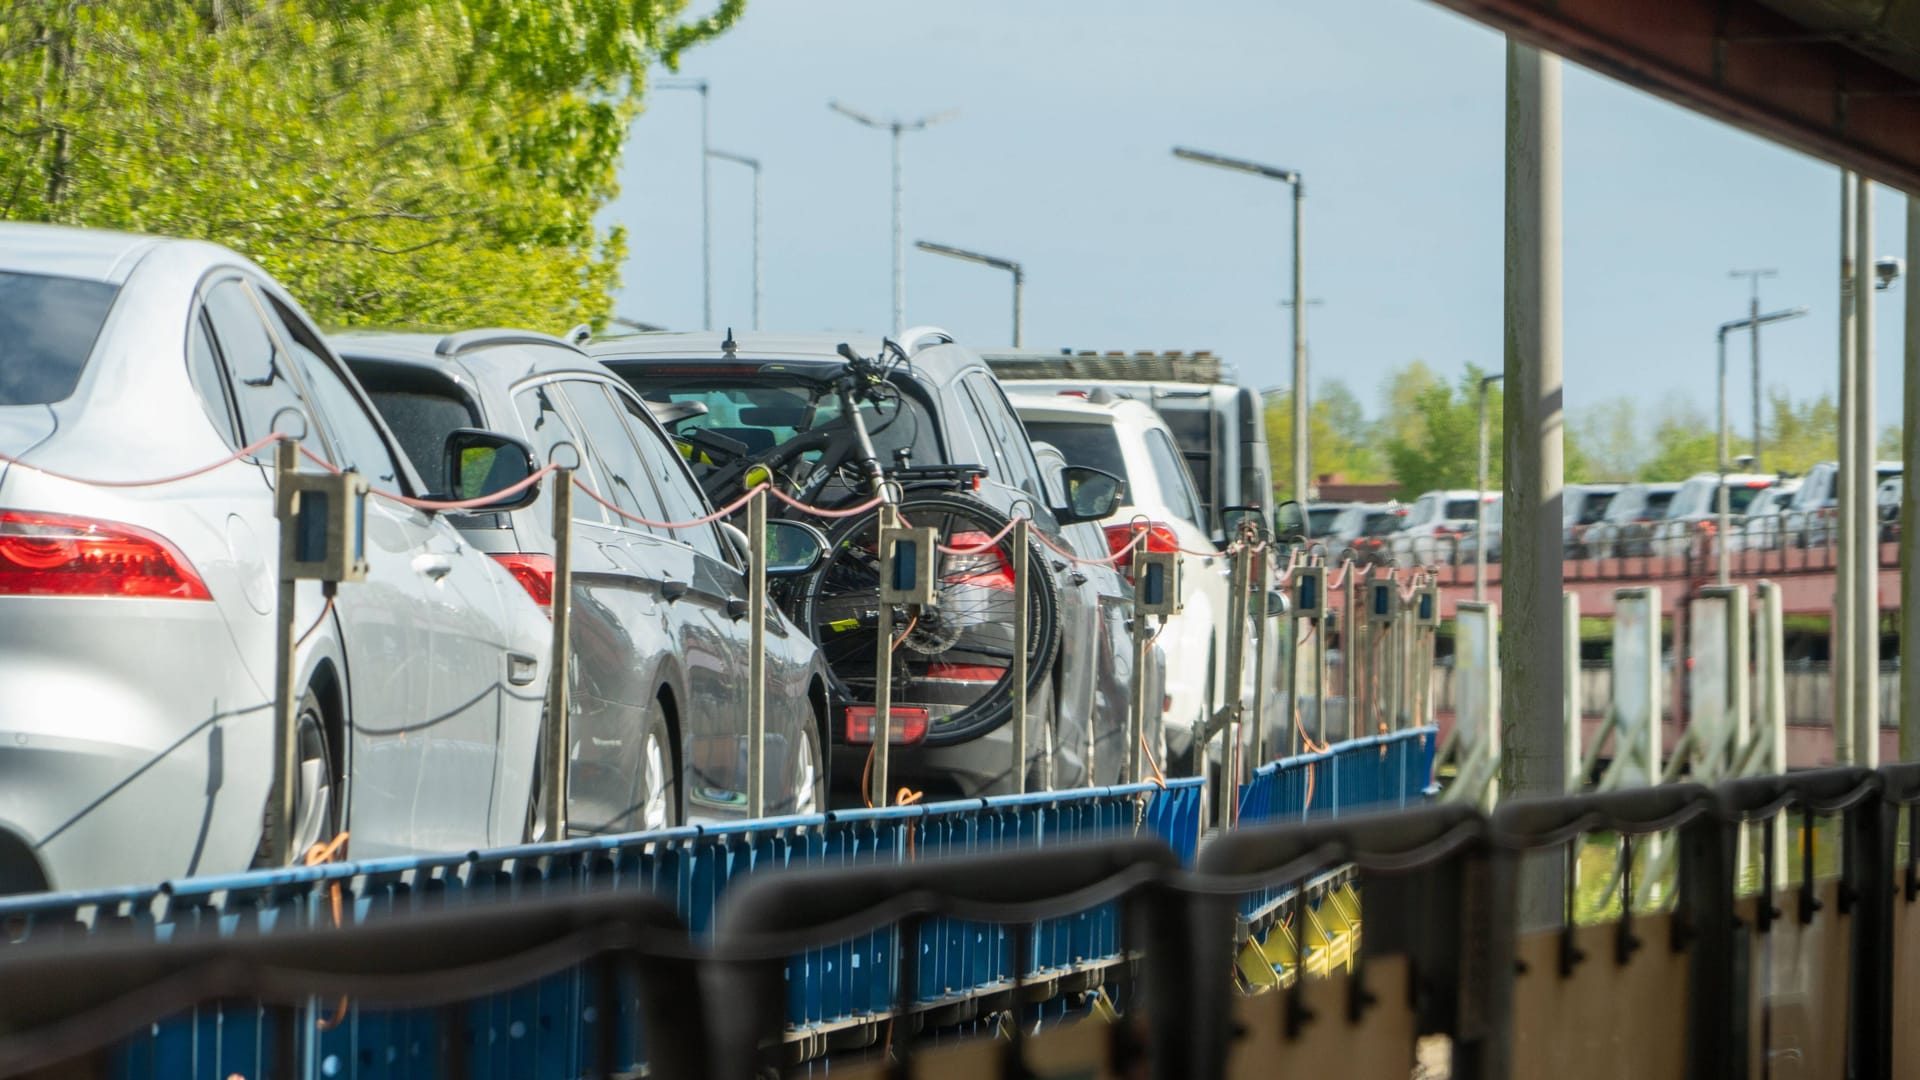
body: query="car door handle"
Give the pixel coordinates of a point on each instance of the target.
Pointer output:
(736, 608)
(433, 567)
(673, 590)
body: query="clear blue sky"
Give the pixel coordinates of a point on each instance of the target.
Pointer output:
(1392, 109)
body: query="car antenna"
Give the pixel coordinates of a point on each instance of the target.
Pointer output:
(728, 346)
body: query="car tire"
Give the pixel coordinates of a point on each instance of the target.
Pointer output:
(807, 773)
(1040, 707)
(317, 809)
(656, 796)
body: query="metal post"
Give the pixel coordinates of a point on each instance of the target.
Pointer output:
(1323, 629)
(756, 655)
(706, 216)
(286, 746)
(1480, 521)
(1137, 713)
(1864, 485)
(759, 264)
(1770, 718)
(899, 237)
(1720, 534)
(882, 728)
(1350, 651)
(1570, 621)
(1262, 634)
(1533, 754)
(1022, 605)
(1302, 469)
(1237, 649)
(1840, 529)
(558, 738)
(1910, 499)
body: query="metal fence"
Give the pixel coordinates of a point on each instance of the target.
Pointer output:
(548, 1029)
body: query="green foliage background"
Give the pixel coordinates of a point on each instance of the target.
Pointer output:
(393, 162)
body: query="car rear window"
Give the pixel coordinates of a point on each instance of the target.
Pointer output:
(47, 329)
(1657, 503)
(1091, 446)
(1382, 523)
(421, 411)
(1461, 509)
(764, 416)
(1594, 506)
(1320, 519)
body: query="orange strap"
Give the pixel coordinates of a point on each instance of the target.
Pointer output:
(317, 854)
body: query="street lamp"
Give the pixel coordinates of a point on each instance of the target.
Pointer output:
(1480, 504)
(898, 127)
(706, 196)
(1291, 177)
(1753, 322)
(1019, 275)
(758, 267)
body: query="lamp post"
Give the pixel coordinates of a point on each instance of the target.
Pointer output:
(1480, 504)
(1753, 322)
(1753, 315)
(1291, 177)
(758, 266)
(706, 196)
(897, 127)
(1019, 274)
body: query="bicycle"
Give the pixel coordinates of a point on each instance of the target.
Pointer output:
(954, 658)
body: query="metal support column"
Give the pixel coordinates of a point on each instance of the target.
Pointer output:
(1259, 581)
(1236, 680)
(1350, 649)
(1570, 621)
(1532, 750)
(286, 747)
(1864, 489)
(882, 728)
(558, 738)
(1910, 497)
(756, 655)
(1022, 631)
(1837, 531)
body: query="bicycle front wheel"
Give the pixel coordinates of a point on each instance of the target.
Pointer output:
(954, 658)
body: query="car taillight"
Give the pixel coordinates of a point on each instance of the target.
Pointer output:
(1160, 539)
(534, 573)
(988, 569)
(909, 725)
(58, 555)
(971, 673)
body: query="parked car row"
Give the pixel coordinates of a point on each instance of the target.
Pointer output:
(1610, 521)
(137, 623)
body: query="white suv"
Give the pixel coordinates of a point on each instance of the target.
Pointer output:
(1131, 441)
(1434, 525)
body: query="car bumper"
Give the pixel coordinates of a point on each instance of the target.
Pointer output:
(133, 745)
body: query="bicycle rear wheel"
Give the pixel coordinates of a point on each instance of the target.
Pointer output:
(955, 658)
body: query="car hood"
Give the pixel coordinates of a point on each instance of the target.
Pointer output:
(23, 427)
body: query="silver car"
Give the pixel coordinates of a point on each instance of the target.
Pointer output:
(137, 624)
(660, 638)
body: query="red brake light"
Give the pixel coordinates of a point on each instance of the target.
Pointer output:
(988, 569)
(57, 555)
(534, 573)
(909, 725)
(1160, 539)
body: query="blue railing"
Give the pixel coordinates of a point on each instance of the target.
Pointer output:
(550, 1028)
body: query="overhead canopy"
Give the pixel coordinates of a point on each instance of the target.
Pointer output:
(1839, 79)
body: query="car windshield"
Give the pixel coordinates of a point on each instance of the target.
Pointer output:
(1089, 445)
(1382, 522)
(47, 329)
(1594, 506)
(1657, 503)
(763, 416)
(1320, 520)
(1740, 496)
(1461, 510)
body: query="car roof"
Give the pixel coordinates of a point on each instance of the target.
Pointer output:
(66, 251)
(449, 351)
(1052, 406)
(939, 361)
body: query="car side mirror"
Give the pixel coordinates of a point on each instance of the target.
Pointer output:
(1290, 523)
(1091, 495)
(480, 463)
(793, 547)
(1234, 518)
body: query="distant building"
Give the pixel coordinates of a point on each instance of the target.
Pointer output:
(1333, 487)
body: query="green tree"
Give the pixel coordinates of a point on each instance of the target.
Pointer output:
(1684, 443)
(1331, 442)
(1435, 431)
(1609, 439)
(429, 162)
(1799, 436)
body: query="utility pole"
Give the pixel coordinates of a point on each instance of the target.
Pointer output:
(1019, 273)
(706, 194)
(899, 128)
(1533, 734)
(1753, 313)
(1839, 531)
(1863, 486)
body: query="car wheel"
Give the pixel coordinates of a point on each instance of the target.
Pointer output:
(1040, 722)
(316, 795)
(657, 791)
(808, 784)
